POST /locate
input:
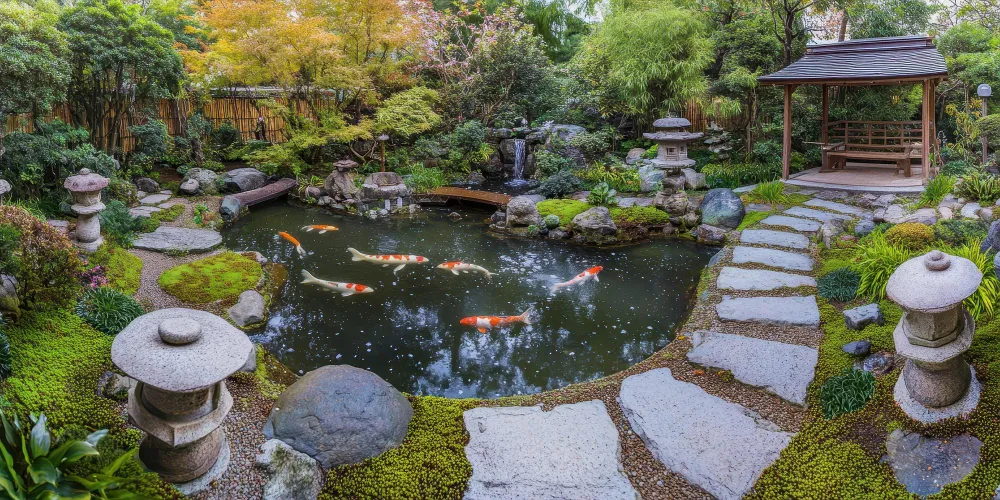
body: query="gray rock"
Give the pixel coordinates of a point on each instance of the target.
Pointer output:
(594, 223)
(692, 179)
(521, 212)
(383, 186)
(4, 187)
(863, 228)
(710, 235)
(759, 207)
(878, 363)
(243, 179)
(836, 207)
(249, 310)
(951, 202)
(992, 241)
(650, 178)
(781, 369)
(831, 195)
(114, 386)
(734, 278)
(314, 192)
(230, 208)
(858, 347)
(722, 208)
(946, 213)
(340, 415)
(830, 231)
(207, 180)
(723, 454)
(811, 213)
(143, 211)
(792, 222)
(782, 311)
(986, 214)
(774, 238)
(634, 155)
(745, 189)
(293, 475)
(557, 234)
(324, 201)
(926, 216)
(774, 258)
(924, 464)
(10, 305)
(971, 210)
(674, 204)
(154, 199)
(860, 317)
(178, 239)
(190, 187)
(524, 452)
(146, 184)
(893, 214)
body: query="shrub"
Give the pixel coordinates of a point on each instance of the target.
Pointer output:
(280, 159)
(594, 145)
(619, 178)
(124, 191)
(877, 259)
(768, 192)
(228, 141)
(48, 267)
(603, 196)
(152, 142)
(936, 190)
(957, 232)
(910, 235)
(561, 184)
(551, 221)
(982, 304)
(980, 186)
(119, 225)
(548, 163)
(219, 277)
(108, 310)
(839, 284)
(421, 179)
(846, 392)
(734, 175)
(10, 238)
(639, 216)
(565, 210)
(956, 168)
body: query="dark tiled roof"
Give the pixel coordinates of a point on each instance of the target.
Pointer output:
(870, 60)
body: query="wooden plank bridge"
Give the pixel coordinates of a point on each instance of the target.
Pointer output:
(443, 195)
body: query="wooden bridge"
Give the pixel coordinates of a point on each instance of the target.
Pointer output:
(233, 205)
(443, 195)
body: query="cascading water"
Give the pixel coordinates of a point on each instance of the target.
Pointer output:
(519, 156)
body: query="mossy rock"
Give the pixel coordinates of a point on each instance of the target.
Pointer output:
(564, 209)
(219, 277)
(639, 216)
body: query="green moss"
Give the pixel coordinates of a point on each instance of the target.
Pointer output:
(430, 463)
(120, 267)
(219, 277)
(564, 209)
(639, 216)
(753, 218)
(169, 215)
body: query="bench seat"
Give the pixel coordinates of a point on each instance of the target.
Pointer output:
(837, 158)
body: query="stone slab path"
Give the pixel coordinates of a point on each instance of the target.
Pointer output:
(772, 258)
(178, 239)
(792, 222)
(815, 214)
(835, 206)
(154, 199)
(774, 238)
(782, 311)
(524, 452)
(734, 278)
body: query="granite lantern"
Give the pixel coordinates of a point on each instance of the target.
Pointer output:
(85, 187)
(933, 334)
(671, 140)
(181, 358)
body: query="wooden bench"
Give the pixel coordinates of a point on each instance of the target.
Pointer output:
(897, 143)
(835, 156)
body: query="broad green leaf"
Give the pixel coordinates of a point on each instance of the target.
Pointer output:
(41, 440)
(42, 471)
(114, 466)
(96, 436)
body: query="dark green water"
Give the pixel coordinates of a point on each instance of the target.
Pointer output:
(408, 330)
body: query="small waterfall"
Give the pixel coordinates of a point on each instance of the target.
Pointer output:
(519, 159)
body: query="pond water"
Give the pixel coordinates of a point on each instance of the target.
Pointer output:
(409, 332)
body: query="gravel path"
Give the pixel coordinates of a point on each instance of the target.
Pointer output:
(154, 264)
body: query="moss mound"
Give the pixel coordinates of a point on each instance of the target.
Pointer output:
(564, 209)
(121, 268)
(219, 277)
(639, 216)
(910, 235)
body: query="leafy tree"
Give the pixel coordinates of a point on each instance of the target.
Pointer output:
(408, 113)
(788, 25)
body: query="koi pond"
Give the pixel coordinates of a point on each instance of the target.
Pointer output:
(408, 330)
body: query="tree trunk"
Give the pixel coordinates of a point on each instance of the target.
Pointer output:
(843, 27)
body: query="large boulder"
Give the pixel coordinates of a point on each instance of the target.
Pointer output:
(249, 310)
(722, 208)
(650, 178)
(595, 224)
(292, 474)
(692, 179)
(339, 414)
(634, 155)
(521, 211)
(207, 180)
(190, 187)
(148, 185)
(384, 186)
(710, 235)
(992, 241)
(340, 185)
(230, 208)
(243, 179)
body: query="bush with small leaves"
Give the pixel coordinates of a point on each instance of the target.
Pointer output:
(839, 284)
(47, 267)
(910, 235)
(551, 221)
(119, 225)
(108, 310)
(846, 392)
(958, 232)
(559, 184)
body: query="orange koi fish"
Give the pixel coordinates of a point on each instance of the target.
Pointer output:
(483, 323)
(387, 260)
(291, 239)
(320, 227)
(579, 278)
(456, 266)
(345, 289)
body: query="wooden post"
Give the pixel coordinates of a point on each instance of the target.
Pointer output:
(826, 115)
(786, 140)
(926, 118)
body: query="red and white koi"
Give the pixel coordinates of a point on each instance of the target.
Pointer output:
(291, 239)
(388, 260)
(579, 278)
(344, 289)
(483, 323)
(321, 228)
(456, 266)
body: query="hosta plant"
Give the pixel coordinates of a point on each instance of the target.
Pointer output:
(108, 310)
(603, 196)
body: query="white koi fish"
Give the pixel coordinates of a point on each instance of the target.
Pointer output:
(456, 266)
(344, 289)
(579, 278)
(387, 260)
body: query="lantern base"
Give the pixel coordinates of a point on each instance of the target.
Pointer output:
(928, 415)
(204, 481)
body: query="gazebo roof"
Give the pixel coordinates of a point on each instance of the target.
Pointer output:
(871, 61)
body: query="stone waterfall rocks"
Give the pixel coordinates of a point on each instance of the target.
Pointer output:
(340, 185)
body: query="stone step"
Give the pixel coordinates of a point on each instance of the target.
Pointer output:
(792, 222)
(783, 311)
(781, 369)
(774, 238)
(178, 239)
(734, 278)
(154, 199)
(812, 213)
(773, 258)
(836, 207)
(524, 452)
(717, 445)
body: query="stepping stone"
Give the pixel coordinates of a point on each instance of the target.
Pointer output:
(836, 207)
(744, 189)
(144, 211)
(774, 238)
(783, 311)
(720, 446)
(169, 204)
(815, 214)
(734, 278)
(154, 199)
(792, 222)
(773, 258)
(635, 202)
(178, 239)
(781, 369)
(759, 207)
(924, 464)
(524, 452)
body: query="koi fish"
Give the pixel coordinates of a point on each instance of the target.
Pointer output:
(579, 278)
(291, 239)
(387, 260)
(483, 323)
(320, 227)
(345, 289)
(457, 266)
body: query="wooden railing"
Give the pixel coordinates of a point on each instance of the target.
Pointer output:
(871, 135)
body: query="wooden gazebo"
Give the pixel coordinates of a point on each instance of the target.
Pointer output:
(903, 60)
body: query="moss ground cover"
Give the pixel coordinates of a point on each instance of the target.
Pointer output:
(121, 268)
(638, 216)
(564, 209)
(219, 277)
(752, 218)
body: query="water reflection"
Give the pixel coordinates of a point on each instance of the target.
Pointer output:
(408, 331)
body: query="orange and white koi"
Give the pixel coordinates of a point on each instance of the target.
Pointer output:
(579, 278)
(483, 323)
(345, 289)
(291, 239)
(388, 260)
(321, 228)
(456, 266)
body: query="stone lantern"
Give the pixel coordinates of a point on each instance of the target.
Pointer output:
(933, 335)
(4, 189)
(671, 143)
(85, 187)
(181, 358)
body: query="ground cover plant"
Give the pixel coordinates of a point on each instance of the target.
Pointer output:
(122, 270)
(108, 310)
(840, 284)
(564, 209)
(219, 277)
(768, 192)
(846, 392)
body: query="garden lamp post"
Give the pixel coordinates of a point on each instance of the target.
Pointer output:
(381, 140)
(984, 91)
